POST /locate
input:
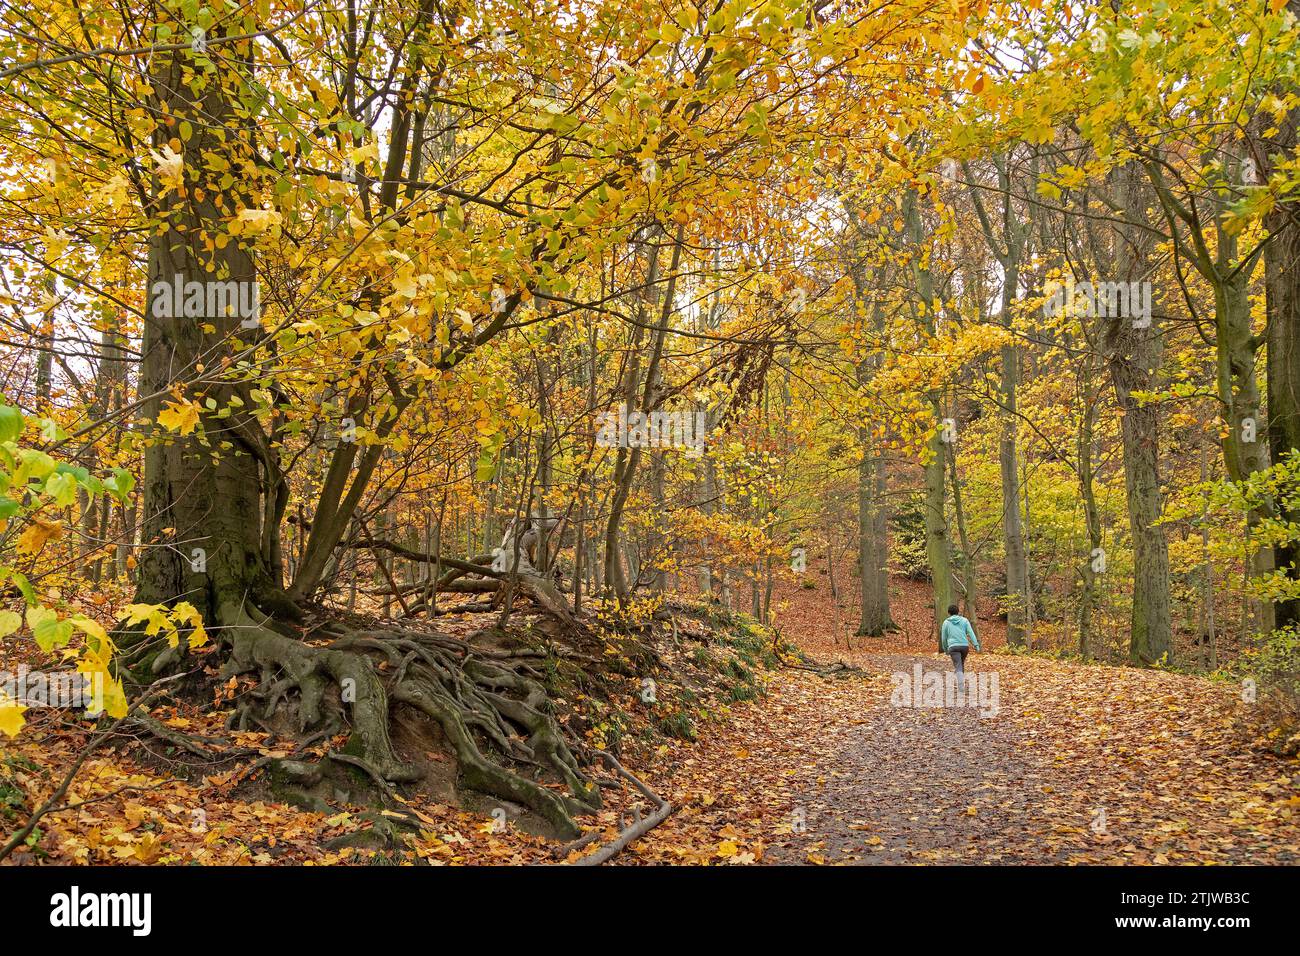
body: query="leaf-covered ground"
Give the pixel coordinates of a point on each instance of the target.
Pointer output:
(146, 797)
(1082, 764)
(1079, 764)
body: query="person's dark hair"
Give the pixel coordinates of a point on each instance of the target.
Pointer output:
(952, 609)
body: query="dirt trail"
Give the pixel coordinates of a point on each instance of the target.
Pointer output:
(1075, 764)
(917, 784)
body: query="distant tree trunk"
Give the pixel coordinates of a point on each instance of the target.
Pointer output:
(110, 380)
(129, 540)
(1282, 293)
(1088, 601)
(938, 547)
(433, 545)
(626, 459)
(45, 339)
(626, 466)
(1208, 630)
(584, 567)
(580, 551)
(1134, 355)
(1151, 622)
(970, 592)
(830, 575)
(715, 578)
(541, 507)
(767, 590)
(873, 545)
(383, 570)
(1007, 240)
(1013, 535)
(656, 541)
(490, 537)
(875, 618)
(1031, 605)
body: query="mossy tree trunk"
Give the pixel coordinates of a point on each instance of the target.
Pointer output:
(204, 520)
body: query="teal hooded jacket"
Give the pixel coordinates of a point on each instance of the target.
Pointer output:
(955, 633)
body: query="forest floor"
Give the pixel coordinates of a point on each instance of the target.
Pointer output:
(1057, 762)
(1079, 765)
(1066, 763)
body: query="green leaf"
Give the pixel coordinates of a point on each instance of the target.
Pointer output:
(11, 423)
(487, 465)
(33, 464)
(487, 457)
(10, 621)
(20, 580)
(119, 484)
(48, 630)
(62, 488)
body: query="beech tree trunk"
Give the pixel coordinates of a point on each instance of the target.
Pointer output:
(938, 546)
(1092, 566)
(1134, 355)
(1282, 292)
(873, 515)
(202, 509)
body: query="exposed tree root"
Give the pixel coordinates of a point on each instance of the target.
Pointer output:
(190, 743)
(472, 607)
(473, 696)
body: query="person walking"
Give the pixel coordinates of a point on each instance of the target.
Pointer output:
(956, 637)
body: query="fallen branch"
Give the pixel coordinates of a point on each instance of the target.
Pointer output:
(410, 554)
(639, 828)
(562, 852)
(823, 670)
(188, 742)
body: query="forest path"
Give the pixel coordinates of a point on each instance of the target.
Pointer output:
(1064, 763)
(912, 783)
